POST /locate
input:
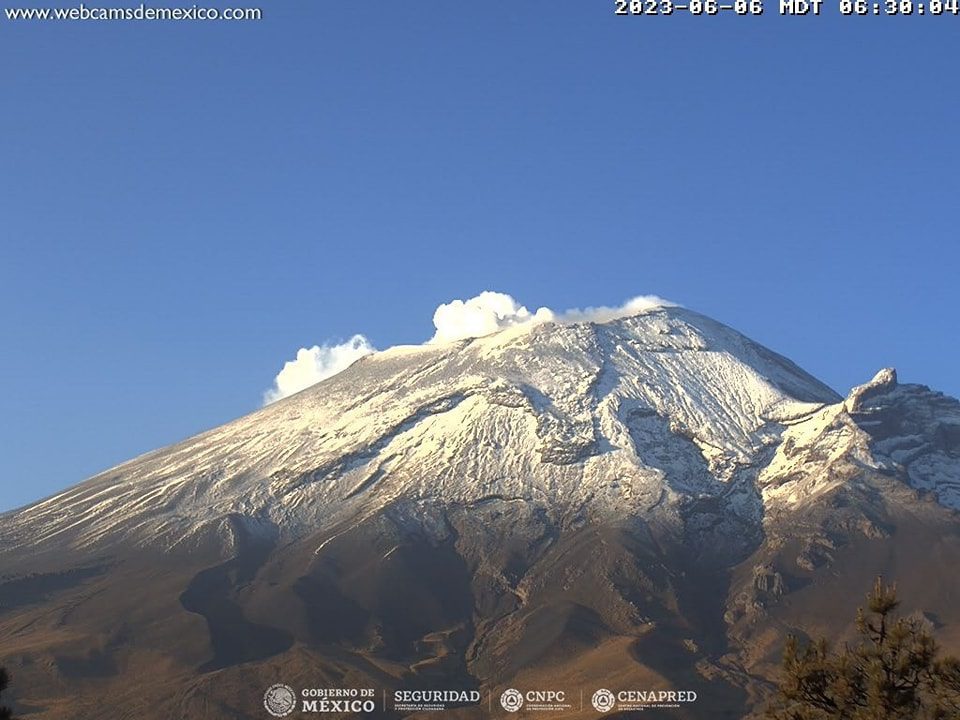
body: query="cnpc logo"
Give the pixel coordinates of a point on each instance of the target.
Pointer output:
(513, 700)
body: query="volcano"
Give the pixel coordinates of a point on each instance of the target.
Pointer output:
(645, 504)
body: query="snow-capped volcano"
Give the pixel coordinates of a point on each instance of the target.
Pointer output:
(639, 501)
(576, 415)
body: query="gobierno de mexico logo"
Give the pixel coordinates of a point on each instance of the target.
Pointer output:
(280, 700)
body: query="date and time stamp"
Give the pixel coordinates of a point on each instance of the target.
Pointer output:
(787, 7)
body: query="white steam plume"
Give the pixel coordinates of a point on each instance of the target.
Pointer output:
(315, 364)
(481, 315)
(602, 314)
(489, 312)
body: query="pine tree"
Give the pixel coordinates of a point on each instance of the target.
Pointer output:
(5, 712)
(893, 673)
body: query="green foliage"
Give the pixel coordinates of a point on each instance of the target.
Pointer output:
(5, 712)
(893, 673)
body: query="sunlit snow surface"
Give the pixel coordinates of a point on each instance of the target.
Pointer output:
(615, 418)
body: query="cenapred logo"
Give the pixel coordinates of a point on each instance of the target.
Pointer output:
(603, 700)
(280, 700)
(511, 700)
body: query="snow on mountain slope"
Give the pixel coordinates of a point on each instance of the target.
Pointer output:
(906, 431)
(914, 433)
(609, 417)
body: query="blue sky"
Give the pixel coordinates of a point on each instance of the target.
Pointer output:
(183, 206)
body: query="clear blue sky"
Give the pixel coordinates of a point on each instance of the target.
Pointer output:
(182, 206)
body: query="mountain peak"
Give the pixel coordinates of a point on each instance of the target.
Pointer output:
(884, 381)
(570, 414)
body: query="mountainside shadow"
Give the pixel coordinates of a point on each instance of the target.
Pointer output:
(234, 639)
